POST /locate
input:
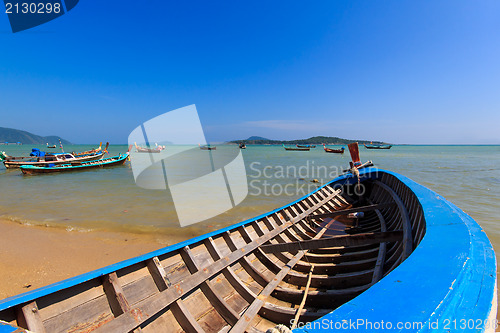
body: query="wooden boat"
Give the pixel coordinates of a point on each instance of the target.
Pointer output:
(317, 261)
(371, 146)
(330, 150)
(157, 149)
(91, 151)
(207, 147)
(76, 166)
(242, 145)
(296, 148)
(52, 159)
(306, 146)
(50, 147)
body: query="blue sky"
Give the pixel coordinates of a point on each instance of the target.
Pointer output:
(398, 71)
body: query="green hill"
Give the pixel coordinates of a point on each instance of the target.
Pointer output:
(315, 140)
(13, 135)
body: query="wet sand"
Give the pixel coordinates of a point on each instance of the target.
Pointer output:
(34, 256)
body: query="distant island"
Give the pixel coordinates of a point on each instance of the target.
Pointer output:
(10, 135)
(316, 140)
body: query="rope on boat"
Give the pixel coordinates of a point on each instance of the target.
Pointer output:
(306, 291)
(279, 329)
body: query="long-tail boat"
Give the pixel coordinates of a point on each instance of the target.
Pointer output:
(369, 248)
(335, 151)
(296, 148)
(306, 146)
(91, 151)
(374, 146)
(157, 149)
(51, 159)
(39, 156)
(207, 147)
(76, 166)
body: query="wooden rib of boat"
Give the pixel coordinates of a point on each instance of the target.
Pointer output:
(306, 146)
(296, 148)
(76, 166)
(378, 146)
(55, 159)
(251, 276)
(335, 151)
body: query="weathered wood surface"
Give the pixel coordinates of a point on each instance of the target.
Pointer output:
(349, 240)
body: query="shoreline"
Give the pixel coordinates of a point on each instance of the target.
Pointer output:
(35, 256)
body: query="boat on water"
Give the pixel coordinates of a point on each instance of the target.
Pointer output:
(375, 146)
(330, 150)
(296, 148)
(51, 147)
(91, 151)
(75, 166)
(156, 150)
(36, 155)
(44, 159)
(306, 146)
(207, 147)
(370, 247)
(242, 145)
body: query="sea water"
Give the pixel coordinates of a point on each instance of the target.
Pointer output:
(109, 199)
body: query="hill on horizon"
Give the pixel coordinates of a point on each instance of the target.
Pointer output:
(13, 135)
(317, 140)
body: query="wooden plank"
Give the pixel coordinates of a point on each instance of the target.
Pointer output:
(28, 317)
(187, 322)
(184, 317)
(254, 308)
(407, 230)
(352, 210)
(229, 274)
(349, 240)
(156, 303)
(115, 295)
(219, 304)
(379, 265)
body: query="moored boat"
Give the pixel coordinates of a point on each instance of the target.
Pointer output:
(330, 150)
(51, 159)
(91, 151)
(306, 146)
(242, 145)
(411, 249)
(296, 148)
(374, 146)
(76, 166)
(207, 147)
(157, 149)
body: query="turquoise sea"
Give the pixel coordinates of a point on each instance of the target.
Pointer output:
(108, 199)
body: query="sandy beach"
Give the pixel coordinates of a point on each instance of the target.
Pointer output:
(35, 256)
